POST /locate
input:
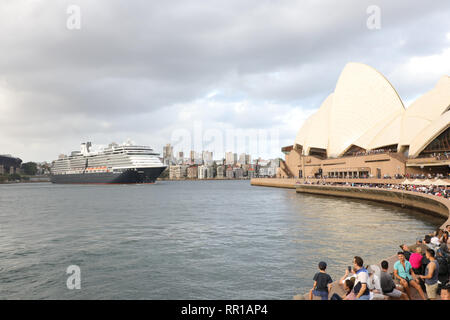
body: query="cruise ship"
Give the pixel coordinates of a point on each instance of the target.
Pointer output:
(126, 163)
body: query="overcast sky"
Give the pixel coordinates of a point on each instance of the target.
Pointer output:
(148, 70)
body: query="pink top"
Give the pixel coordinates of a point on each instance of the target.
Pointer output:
(351, 296)
(416, 260)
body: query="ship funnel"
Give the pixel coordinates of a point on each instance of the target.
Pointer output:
(85, 148)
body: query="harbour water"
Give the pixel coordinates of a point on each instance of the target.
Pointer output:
(187, 239)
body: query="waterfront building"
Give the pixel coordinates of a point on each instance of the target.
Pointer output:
(177, 172)
(229, 172)
(210, 172)
(263, 172)
(362, 129)
(245, 169)
(183, 171)
(268, 168)
(43, 168)
(173, 171)
(9, 164)
(251, 171)
(238, 173)
(192, 172)
(263, 163)
(202, 172)
(275, 163)
(220, 171)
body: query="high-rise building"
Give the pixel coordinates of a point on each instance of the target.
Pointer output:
(230, 158)
(244, 158)
(168, 154)
(241, 158)
(207, 157)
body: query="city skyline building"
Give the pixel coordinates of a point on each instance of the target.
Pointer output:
(230, 158)
(168, 154)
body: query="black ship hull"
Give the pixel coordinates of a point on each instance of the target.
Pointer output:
(140, 175)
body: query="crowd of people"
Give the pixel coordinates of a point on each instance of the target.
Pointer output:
(398, 176)
(437, 155)
(369, 152)
(424, 176)
(440, 191)
(423, 266)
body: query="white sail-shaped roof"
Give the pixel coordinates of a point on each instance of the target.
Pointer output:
(315, 131)
(428, 134)
(385, 133)
(362, 99)
(425, 110)
(366, 111)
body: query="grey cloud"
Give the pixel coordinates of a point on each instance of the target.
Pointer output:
(134, 62)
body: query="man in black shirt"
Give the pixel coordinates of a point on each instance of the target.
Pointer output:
(387, 284)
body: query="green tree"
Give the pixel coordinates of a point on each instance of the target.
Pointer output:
(14, 177)
(29, 168)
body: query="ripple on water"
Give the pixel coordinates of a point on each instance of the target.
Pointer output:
(187, 240)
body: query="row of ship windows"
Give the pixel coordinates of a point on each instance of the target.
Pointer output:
(83, 163)
(110, 165)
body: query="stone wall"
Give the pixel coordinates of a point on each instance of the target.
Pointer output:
(274, 182)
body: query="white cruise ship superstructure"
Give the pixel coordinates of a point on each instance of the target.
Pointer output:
(126, 163)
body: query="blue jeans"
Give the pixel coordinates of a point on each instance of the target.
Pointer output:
(364, 297)
(322, 294)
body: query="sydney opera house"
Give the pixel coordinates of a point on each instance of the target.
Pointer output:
(363, 130)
